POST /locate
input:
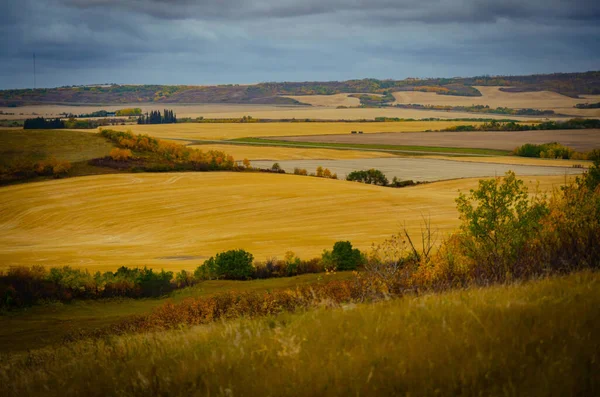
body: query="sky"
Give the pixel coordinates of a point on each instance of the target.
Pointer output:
(234, 41)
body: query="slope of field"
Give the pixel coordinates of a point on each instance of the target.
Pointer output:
(494, 98)
(536, 339)
(254, 152)
(580, 140)
(33, 145)
(229, 111)
(220, 131)
(45, 325)
(176, 221)
(420, 169)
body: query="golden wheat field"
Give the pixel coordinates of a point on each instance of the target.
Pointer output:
(176, 221)
(224, 131)
(493, 97)
(254, 152)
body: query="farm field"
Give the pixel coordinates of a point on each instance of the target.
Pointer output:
(176, 221)
(580, 140)
(493, 97)
(516, 160)
(224, 131)
(538, 337)
(254, 152)
(422, 170)
(256, 111)
(327, 100)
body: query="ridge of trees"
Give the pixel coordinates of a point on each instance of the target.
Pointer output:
(570, 84)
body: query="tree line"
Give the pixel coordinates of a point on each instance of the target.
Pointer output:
(155, 117)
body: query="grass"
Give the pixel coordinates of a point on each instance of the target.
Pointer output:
(35, 145)
(383, 148)
(49, 324)
(155, 220)
(220, 131)
(535, 339)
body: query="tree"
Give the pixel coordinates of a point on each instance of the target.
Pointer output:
(276, 167)
(319, 172)
(343, 256)
(246, 163)
(234, 265)
(371, 176)
(498, 218)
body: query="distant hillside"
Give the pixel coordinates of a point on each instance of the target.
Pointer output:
(571, 84)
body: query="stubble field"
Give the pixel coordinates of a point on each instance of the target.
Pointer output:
(223, 131)
(176, 221)
(580, 140)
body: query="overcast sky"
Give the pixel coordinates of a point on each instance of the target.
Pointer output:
(238, 41)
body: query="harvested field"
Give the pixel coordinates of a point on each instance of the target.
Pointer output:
(493, 97)
(103, 222)
(221, 131)
(327, 100)
(419, 169)
(254, 152)
(256, 111)
(516, 160)
(580, 140)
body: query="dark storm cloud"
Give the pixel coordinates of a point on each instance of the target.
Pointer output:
(223, 41)
(435, 11)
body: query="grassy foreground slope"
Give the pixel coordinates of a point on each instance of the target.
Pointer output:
(534, 339)
(45, 325)
(177, 220)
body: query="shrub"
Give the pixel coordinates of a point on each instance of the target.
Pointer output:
(371, 176)
(498, 219)
(342, 257)
(120, 154)
(232, 265)
(300, 171)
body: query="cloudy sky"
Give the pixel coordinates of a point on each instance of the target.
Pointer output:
(239, 41)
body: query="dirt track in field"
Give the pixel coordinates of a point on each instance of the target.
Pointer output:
(580, 140)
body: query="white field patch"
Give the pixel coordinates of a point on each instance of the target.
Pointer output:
(420, 169)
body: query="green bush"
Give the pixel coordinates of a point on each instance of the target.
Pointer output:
(372, 176)
(498, 219)
(231, 265)
(342, 257)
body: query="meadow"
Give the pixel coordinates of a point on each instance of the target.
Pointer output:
(177, 220)
(50, 324)
(534, 338)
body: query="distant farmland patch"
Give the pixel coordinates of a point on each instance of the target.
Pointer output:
(223, 131)
(580, 140)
